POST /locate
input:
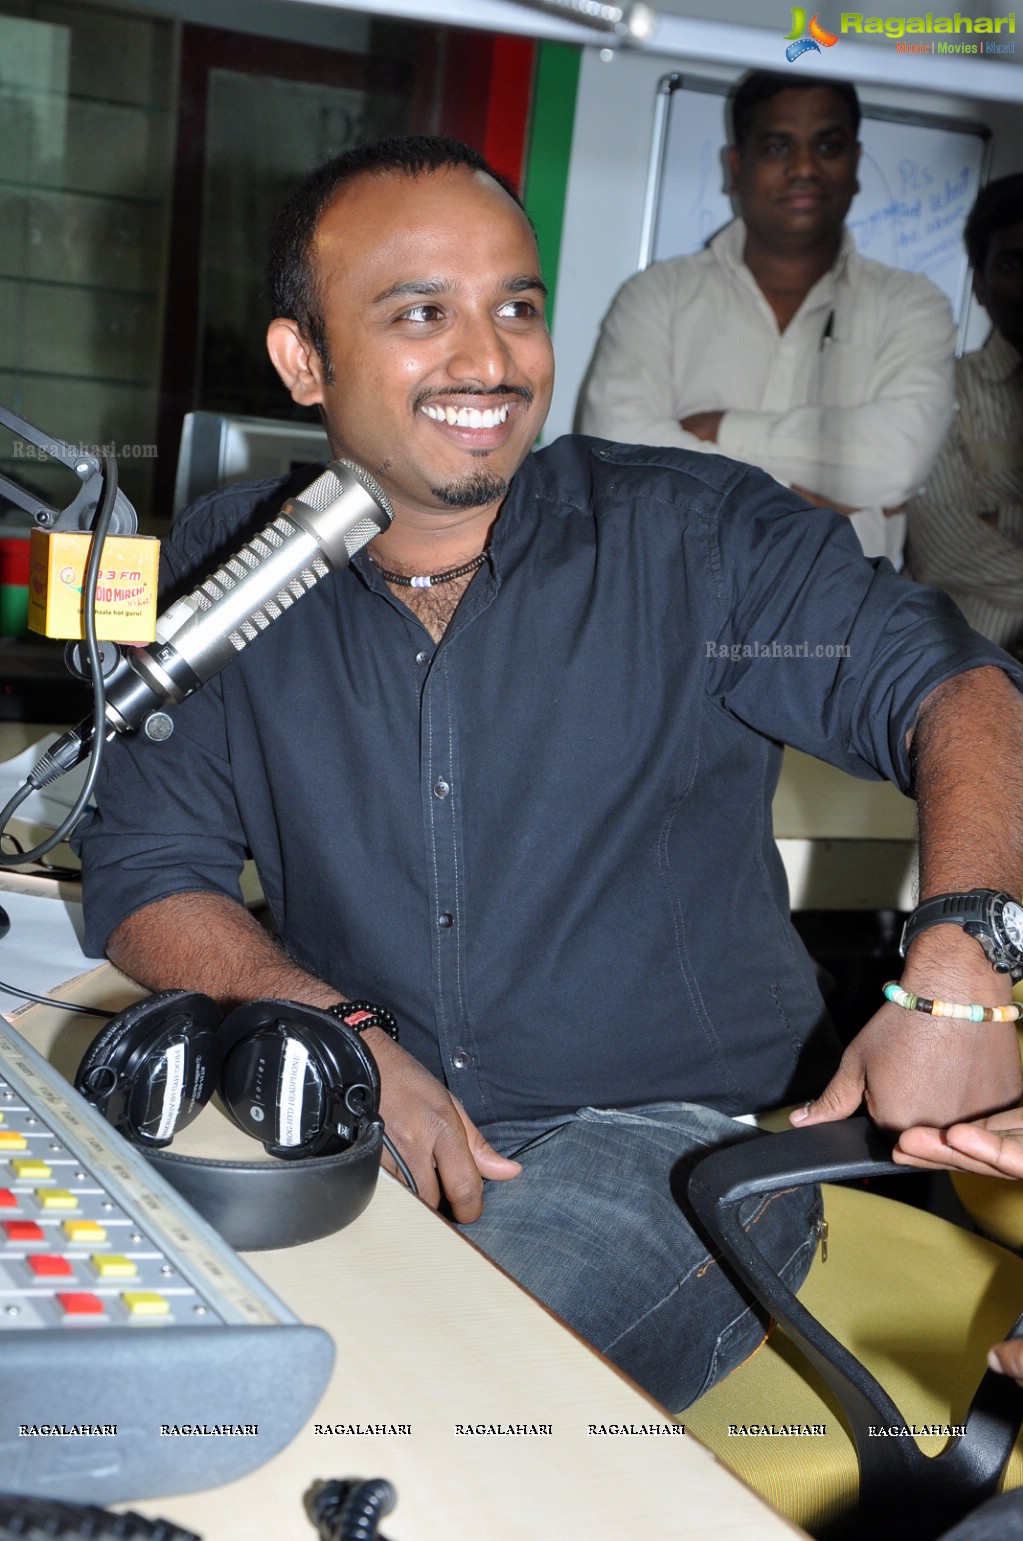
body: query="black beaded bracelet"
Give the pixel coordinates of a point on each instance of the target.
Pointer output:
(359, 1015)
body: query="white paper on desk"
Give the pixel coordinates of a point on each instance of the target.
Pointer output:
(43, 947)
(50, 806)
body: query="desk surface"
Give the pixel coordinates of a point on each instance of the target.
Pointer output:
(429, 1334)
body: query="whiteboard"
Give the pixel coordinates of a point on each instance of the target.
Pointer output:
(919, 175)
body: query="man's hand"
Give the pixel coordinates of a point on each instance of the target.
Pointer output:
(991, 1146)
(1007, 1359)
(820, 501)
(703, 425)
(445, 1151)
(203, 941)
(909, 1068)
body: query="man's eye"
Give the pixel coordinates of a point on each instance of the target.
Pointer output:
(517, 310)
(421, 314)
(832, 147)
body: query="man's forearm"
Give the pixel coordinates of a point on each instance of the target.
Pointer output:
(204, 941)
(968, 753)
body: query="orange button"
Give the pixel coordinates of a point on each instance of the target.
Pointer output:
(7, 1199)
(45, 1265)
(23, 1230)
(80, 1304)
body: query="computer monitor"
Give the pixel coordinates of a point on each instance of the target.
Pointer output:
(217, 449)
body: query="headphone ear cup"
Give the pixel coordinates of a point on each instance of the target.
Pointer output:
(154, 1067)
(296, 1078)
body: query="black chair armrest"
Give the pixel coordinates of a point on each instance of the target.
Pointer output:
(895, 1476)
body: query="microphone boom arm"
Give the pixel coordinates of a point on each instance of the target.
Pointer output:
(80, 513)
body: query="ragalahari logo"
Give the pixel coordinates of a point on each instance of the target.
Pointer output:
(803, 39)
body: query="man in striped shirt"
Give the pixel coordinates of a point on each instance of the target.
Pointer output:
(966, 528)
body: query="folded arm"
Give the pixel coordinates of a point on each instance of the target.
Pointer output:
(871, 452)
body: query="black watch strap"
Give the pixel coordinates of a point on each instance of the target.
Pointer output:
(979, 912)
(945, 909)
(360, 1015)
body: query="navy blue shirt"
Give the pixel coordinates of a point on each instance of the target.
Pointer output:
(546, 842)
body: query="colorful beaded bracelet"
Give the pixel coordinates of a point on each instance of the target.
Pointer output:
(910, 1002)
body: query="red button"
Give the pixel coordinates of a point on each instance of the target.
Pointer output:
(81, 1305)
(7, 1199)
(23, 1230)
(46, 1266)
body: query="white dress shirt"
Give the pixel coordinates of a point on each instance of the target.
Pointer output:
(851, 400)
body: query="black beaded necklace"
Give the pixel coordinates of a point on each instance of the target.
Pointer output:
(431, 580)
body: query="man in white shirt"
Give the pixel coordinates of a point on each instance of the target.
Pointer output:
(778, 343)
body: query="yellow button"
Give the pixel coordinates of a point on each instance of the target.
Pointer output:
(144, 1303)
(30, 1169)
(10, 1139)
(110, 1266)
(84, 1230)
(56, 1198)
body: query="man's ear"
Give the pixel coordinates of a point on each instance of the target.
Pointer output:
(733, 160)
(979, 287)
(296, 361)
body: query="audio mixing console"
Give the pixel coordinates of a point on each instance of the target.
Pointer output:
(139, 1356)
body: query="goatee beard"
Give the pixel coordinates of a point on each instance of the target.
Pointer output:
(477, 490)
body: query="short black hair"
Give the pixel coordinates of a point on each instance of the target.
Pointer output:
(292, 280)
(761, 85)
(998, 205)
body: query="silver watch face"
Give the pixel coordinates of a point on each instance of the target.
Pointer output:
(1012, 921)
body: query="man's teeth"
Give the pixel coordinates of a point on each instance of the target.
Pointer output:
(468, 417)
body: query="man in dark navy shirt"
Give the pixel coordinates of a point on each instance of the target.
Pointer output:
(525, 801)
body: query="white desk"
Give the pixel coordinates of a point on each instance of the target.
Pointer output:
(430, 1334)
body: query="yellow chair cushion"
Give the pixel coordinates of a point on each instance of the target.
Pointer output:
(918, 1300)
(995, 1204)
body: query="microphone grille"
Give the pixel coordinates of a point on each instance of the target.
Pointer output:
(329, 486)
(370, 483)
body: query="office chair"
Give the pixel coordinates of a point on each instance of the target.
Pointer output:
(915, 1297)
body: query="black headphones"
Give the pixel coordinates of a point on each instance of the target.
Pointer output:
(294, 1077)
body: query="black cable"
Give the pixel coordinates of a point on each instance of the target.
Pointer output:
(396, 1157)
(48, 768)
(352, 1509)
(32, 1519)
(47, 1000)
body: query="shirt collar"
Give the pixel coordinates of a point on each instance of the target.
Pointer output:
(730, 243)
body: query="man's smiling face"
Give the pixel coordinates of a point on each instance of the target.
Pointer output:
(441, 367)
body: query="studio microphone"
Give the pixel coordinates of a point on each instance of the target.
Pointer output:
(315, 533)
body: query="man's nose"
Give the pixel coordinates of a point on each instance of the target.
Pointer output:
(804, 163)
(479, 351)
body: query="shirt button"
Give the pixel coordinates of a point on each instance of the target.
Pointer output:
(445, 920)
(461, 1059)
(422, 658)
(441, 788)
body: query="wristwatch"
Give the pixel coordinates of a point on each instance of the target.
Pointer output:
(995, 919)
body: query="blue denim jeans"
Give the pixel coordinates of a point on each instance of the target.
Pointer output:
(598, 1228)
